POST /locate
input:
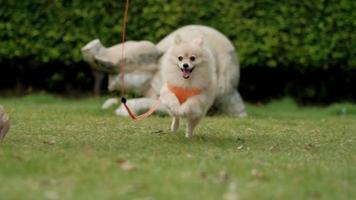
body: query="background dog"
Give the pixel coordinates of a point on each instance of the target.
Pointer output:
(143, 63)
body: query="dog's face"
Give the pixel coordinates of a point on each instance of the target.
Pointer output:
(187, 55)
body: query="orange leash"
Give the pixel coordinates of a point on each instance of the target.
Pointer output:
(123, 39)
(142, 116)
(122, 75)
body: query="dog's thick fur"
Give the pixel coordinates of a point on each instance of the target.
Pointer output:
(144, 62)
(188, 65)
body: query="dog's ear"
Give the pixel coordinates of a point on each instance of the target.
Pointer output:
(198, 41)
(177, 39)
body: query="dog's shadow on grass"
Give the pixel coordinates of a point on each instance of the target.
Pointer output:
(202, 139)
(238, 140)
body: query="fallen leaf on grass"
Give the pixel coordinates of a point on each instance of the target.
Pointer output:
(309, 147)
(223, 176)
(202, 174)
(51, 142)
(242, 147)
(250, 129)
(126, 165)
(274, 146)
(157, 131)
(258, 174)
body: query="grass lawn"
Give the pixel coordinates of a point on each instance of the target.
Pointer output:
(71, 149)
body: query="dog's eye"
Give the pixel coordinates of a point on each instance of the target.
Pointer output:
(192, 58)
(180, 58)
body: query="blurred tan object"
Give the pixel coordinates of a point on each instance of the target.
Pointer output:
(4, 123)
(140, 58)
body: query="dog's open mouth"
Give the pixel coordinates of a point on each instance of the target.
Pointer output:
(186, 72)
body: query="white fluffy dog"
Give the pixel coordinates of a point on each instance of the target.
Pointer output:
(189, 81)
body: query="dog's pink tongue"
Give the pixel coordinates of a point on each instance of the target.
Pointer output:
(186, 73)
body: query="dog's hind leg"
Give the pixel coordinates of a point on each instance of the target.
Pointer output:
(232, 104)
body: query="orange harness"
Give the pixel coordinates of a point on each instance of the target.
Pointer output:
(183, 94)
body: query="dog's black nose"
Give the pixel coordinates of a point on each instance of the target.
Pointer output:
(185, 65)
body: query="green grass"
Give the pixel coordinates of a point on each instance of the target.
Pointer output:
(69, 149)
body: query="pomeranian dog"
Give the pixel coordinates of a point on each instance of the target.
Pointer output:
(188, 71)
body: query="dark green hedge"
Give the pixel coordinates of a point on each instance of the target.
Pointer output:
(299, 35)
